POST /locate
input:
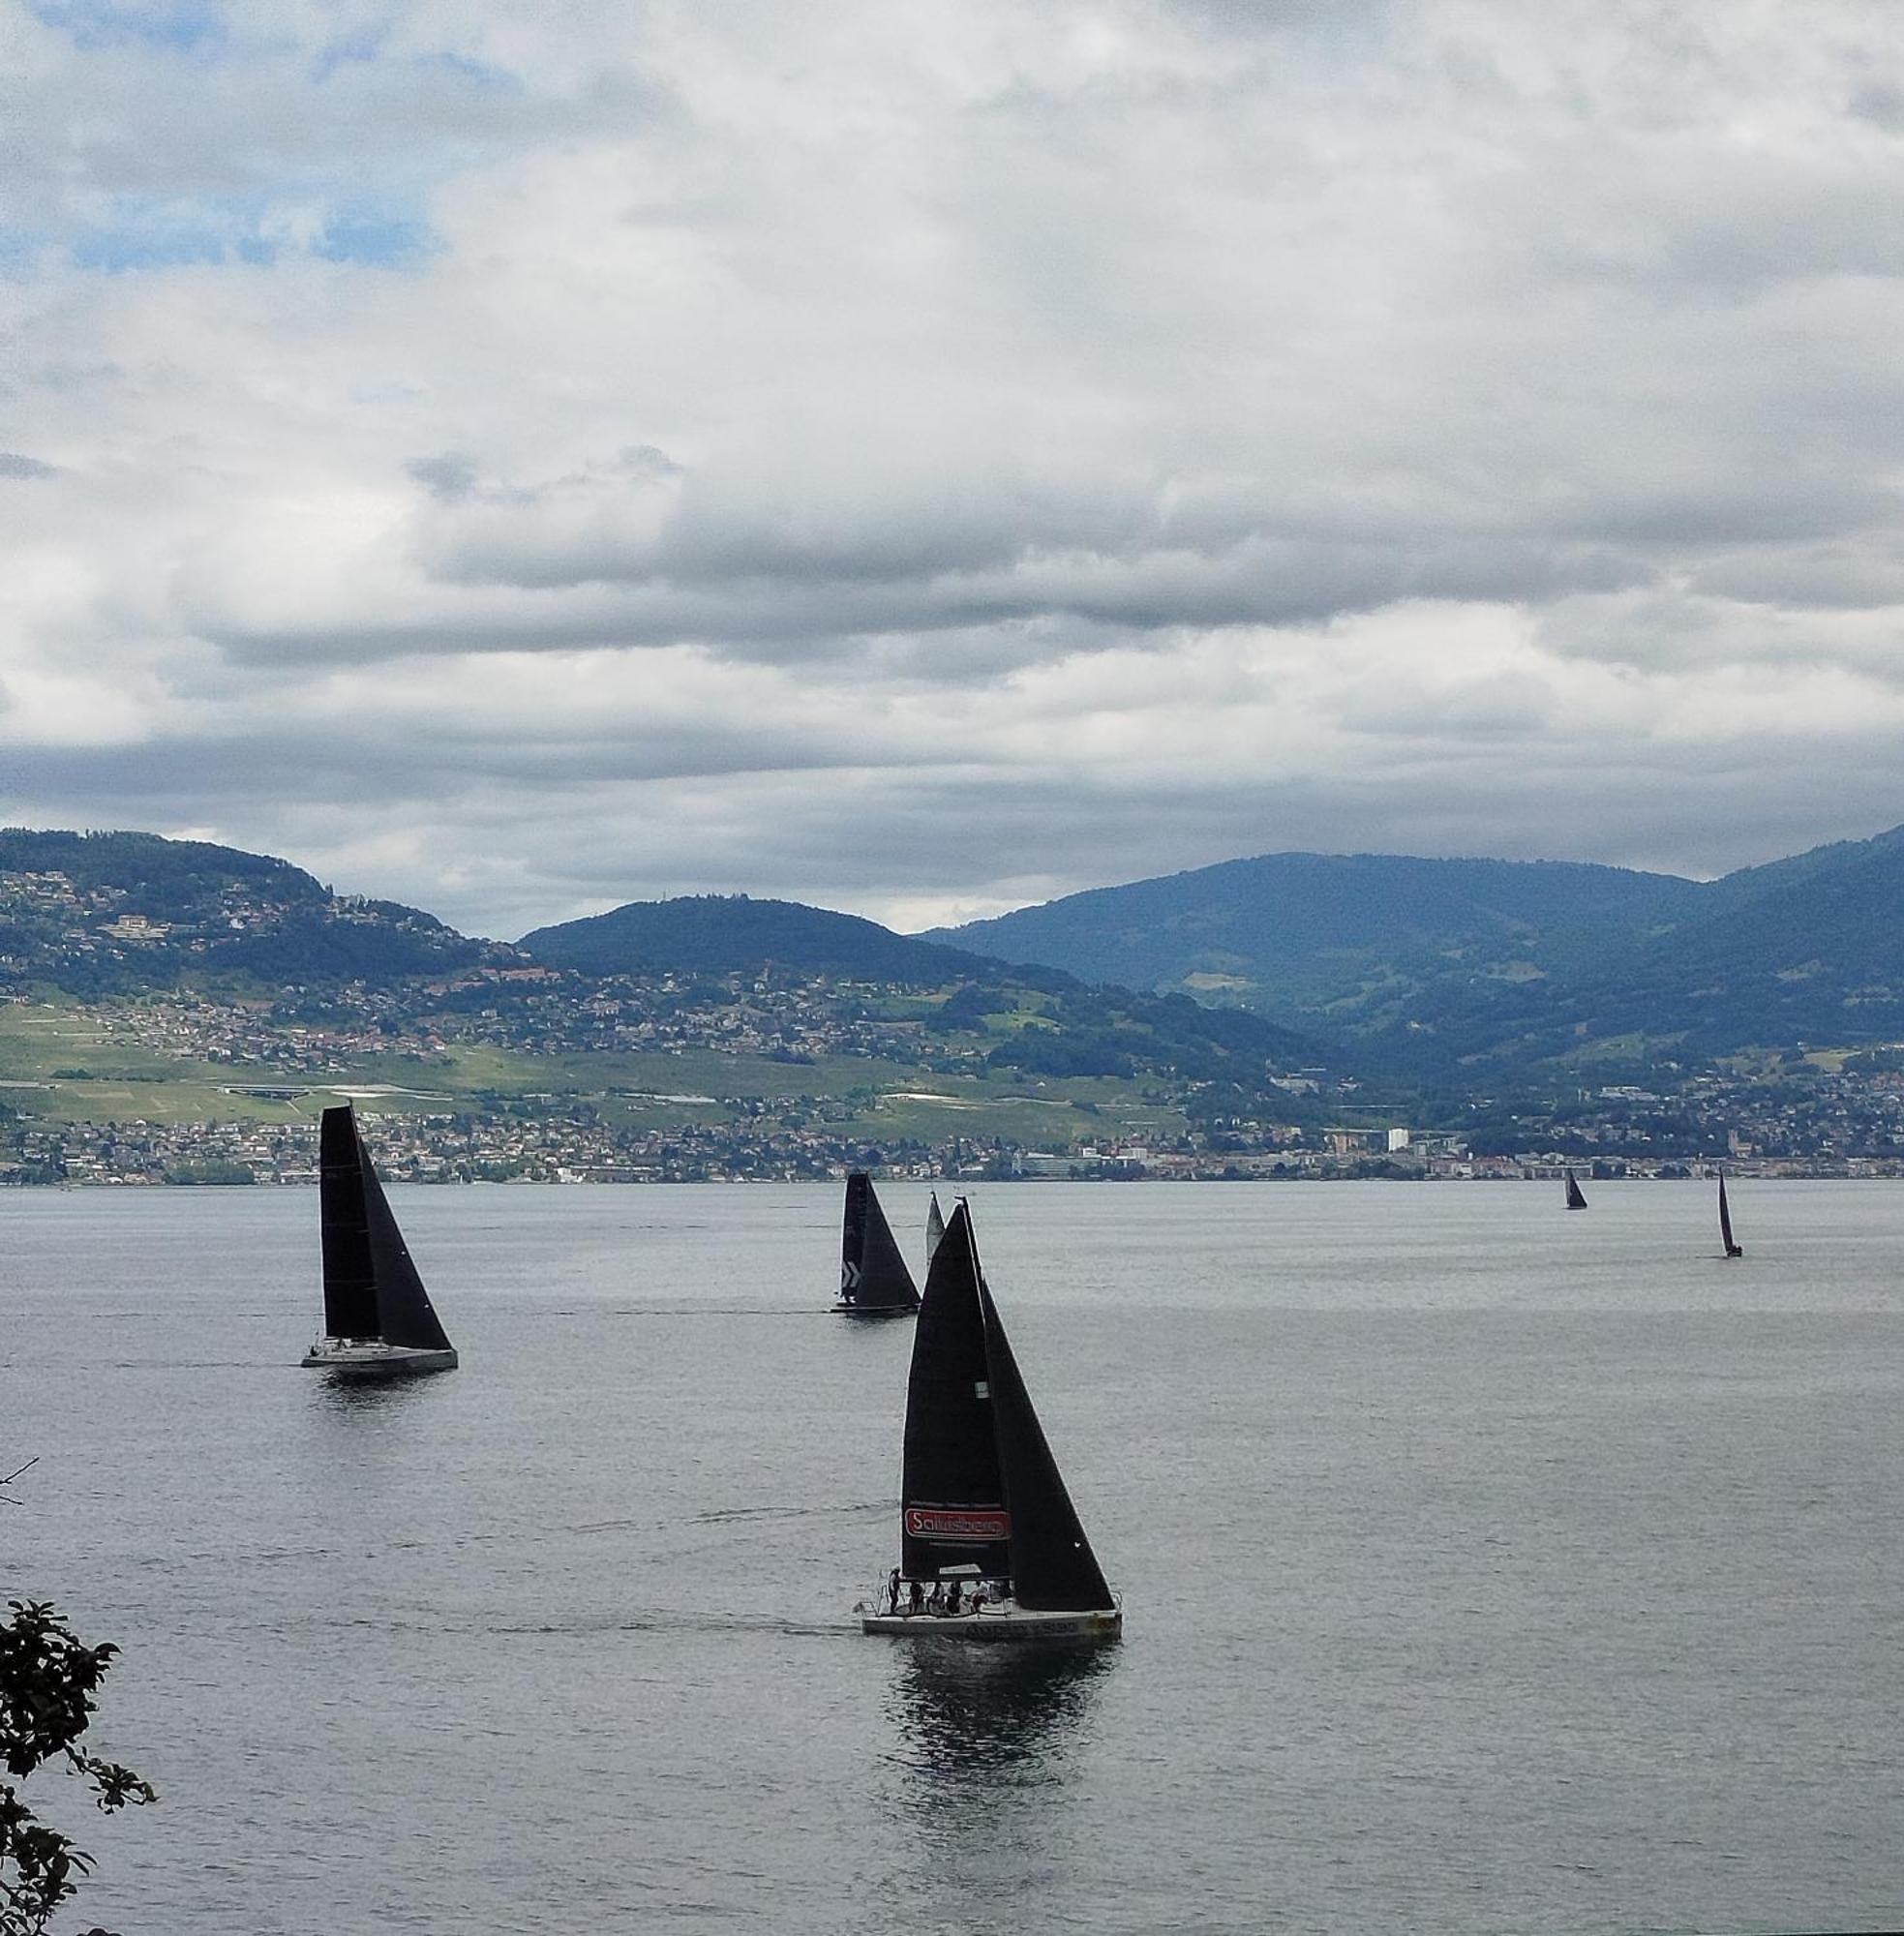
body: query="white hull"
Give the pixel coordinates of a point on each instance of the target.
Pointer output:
(349, 1358)
(1007, 1623)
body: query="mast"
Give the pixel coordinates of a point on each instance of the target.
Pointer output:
(872, 1271)
(350, 1274)
(953, 1510)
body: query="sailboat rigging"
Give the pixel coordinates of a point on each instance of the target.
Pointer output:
(991, 1547)
(873, 1278)
(1732, 1249)
(379, 1320)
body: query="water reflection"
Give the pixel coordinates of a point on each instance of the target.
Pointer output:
(988, 1739)
(333, 1396)
(973, 1720)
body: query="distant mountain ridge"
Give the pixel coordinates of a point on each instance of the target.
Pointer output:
(1351, 938)
(1803, 952)
(1503, 962)
(1455, 974)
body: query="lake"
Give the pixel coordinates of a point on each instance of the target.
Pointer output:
(1484, 1567)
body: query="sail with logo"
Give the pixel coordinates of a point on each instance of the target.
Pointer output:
(873, 1279)
(991, 1547)
(379, 1320)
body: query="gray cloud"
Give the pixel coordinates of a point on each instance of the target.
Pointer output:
(917, 458)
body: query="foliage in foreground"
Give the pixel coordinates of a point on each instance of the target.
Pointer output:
(48, 1678)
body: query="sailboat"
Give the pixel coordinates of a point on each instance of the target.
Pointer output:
(378, 1321)
(986, 1528)
(873, 1278)
(1575, 1200)
(935, 1228)
(1732, 1249)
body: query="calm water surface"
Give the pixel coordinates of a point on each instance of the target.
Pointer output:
(1484, 1567)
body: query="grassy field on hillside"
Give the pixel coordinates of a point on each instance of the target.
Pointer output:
(66, 1064)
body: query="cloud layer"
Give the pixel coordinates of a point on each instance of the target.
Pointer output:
(923, 459)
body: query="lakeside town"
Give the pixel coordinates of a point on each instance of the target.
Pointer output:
(459, 1148)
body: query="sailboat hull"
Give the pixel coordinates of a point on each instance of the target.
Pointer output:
(346, 1358)
(999, 1623)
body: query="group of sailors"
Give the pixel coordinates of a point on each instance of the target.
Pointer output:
(947, 1599)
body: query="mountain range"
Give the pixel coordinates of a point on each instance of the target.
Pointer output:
(1494, 963)
(1443, 969)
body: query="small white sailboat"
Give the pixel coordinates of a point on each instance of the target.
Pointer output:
(991, 1547)
(379, 1320)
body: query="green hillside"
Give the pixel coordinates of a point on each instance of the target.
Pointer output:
(99, 914)
(1478, 971)
(1808, 950)
(1353, 941)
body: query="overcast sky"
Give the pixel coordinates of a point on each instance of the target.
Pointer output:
(925, 456)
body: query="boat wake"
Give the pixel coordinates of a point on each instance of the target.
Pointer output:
(730, 1515)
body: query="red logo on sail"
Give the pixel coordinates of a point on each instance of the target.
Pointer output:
(949, 1523)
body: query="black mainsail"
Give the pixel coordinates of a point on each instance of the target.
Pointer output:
(372, 1290)
(1732, 1249)
(349, 1276)
(872, 1271)
(935, 1230)
(981, 1491)
(1575, 1199)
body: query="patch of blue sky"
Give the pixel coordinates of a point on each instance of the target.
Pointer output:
(375, 231)
(193, 27)
(21, 250)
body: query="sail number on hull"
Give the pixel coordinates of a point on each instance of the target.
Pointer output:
(939, 1523)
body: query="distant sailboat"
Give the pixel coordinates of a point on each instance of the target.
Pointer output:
(1732, 1249)
(985, 1524)
(378, 1321)
(935, 1228)
(873, 1278)
(1575, 1200)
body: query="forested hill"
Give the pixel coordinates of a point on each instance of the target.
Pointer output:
(1807, 952)
(1495, 965)
(99, 914)
(1046, 1022)
(1350, 939)
(725, 934)
(104, 915)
